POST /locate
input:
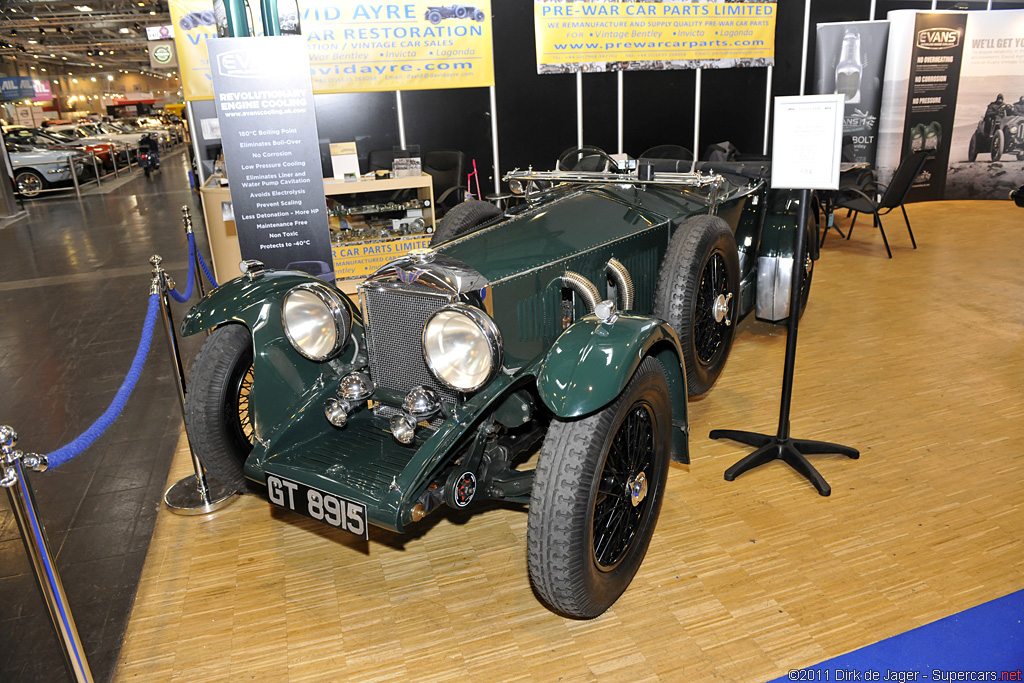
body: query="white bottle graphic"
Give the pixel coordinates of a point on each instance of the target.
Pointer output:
(850, 68)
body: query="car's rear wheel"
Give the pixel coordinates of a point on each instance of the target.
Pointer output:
(596, 497)
(972, 148)
(698, 294)
(478, 15)
(998, 142)
(462, 219)
(217, 415)
(29, 183)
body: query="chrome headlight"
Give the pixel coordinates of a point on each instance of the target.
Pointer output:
(315, 321)
(462, 347)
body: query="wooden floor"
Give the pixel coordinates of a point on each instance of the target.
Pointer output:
(917, 361)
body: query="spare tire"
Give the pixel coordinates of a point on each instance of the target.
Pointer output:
(462, 219)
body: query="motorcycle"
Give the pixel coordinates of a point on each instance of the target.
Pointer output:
(149, 161)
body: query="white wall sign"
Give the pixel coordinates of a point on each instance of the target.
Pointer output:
(807, 142)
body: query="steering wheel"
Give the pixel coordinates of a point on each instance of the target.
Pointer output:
(583, 158)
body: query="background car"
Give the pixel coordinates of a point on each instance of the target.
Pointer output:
(38, 169)
(998, 135)
(575, 322)
(42, 138)
(92, 132)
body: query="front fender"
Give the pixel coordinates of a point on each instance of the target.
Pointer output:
(284, 381)
(590, 364)
(241, 301)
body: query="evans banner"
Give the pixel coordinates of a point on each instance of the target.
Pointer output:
(622, 35)
(361, 47)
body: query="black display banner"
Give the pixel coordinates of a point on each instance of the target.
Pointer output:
(850, 60)
(931, 97)
(264, 104)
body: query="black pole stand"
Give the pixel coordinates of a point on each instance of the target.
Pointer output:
(781, 446)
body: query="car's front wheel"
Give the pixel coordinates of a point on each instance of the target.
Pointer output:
(998, 142)
(972, 148)
(698, 294)
(29, 183)
(217, 404)
(596, 497)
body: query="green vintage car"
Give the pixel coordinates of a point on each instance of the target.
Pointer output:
(577, 321)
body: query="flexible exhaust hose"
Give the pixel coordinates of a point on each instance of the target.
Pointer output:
(583, 288)
(623, 283)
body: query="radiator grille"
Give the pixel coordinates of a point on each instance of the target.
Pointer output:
(394, 320)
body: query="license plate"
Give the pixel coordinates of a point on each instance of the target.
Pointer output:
(320, 505)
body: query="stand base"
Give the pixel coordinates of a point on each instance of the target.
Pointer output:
(790, 451)
(184, 498)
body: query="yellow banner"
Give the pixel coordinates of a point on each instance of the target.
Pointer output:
(415, 45)
(359, 259)
(614, 35)
(360, 46)
(193, 25)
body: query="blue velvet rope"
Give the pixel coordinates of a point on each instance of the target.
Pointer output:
(177, 296)
(86, 438)
(206, 270)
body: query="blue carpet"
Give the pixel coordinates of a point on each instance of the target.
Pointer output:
(984, 643)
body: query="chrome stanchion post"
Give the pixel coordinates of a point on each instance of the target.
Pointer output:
(19, 492)
(113, 159)
(186, 220)
(95, 169)
(195, 494)
(74, 176)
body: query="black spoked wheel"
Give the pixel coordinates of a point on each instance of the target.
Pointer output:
(711, 322)
(998, 143)
(698, 294)
(217, 412)
(617, 514)
(596, 497)
(972, 148)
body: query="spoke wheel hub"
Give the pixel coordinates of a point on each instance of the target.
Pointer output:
(637, 488)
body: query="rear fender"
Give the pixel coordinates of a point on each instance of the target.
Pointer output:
(590, 364)
(775, 254)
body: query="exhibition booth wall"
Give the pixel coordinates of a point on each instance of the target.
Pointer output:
(537, 114)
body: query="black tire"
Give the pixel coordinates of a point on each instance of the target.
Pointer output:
(462, 219)
(434, 17)
(29, 183)
(972, 148)
(217, 404)
(147, 170)
(698, 294)
(582, 488)
(998, 142)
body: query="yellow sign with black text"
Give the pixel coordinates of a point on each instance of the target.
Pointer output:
(361, 46)
(358, 260)
(616, 35)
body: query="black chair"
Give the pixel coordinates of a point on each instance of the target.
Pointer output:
(669, 158)
(448, 169)
(893, 196)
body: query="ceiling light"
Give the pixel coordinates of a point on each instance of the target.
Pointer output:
(83, 8)
(71, 29)
(32, 42)
(14, 31)
(93, 79)
(124, 29)
(42, 31)
(36, 18)
(101, 53)
(110, 77)
(152, 12)
(42, 68)
(64, 58)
